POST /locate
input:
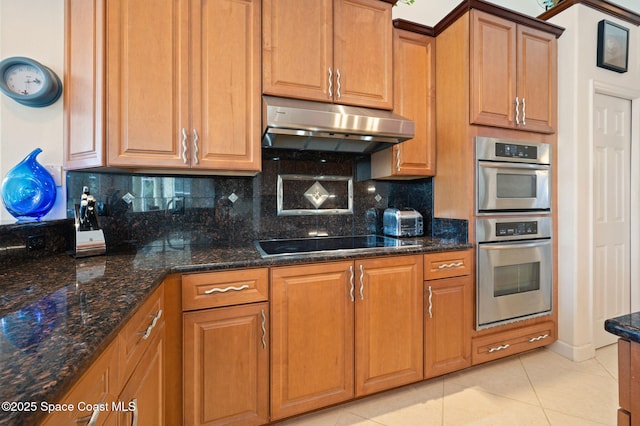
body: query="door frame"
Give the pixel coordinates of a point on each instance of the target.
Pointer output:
(633, 95)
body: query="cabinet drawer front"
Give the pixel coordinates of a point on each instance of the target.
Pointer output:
(140, 330)
(448, 264)
(98, 387)
(511, 342)
(215, 289)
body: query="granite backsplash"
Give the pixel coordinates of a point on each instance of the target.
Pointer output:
(136, 210)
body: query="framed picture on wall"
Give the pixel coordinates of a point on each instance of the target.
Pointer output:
(613, 46)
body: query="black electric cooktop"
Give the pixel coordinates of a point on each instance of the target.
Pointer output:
(280, 247)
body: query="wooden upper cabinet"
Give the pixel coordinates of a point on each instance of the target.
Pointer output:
(330, 51)
(414, 98)
(225, 85)
(147, 82)
(169, 85)
(513, 75)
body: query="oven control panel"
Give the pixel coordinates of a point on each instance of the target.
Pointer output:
(508, 229)
(509, 150)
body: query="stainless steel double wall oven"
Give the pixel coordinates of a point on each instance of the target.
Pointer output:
(513, 231)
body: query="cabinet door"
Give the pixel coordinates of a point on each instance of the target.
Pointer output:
(448, 324)
(297, 39)
(312, 337)
(414, 98)
(363, 53)
(84, 142)
(493, 70)
(537, 79)
(142, 399)
(389, 324)
(225, 129)
(147, 82)
(226, 364)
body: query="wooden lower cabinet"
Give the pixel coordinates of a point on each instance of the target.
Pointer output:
(226, 365)
(505, 343)
(344, 329)
(448, 322)
(143, 397)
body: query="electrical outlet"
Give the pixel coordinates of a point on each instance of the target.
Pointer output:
(35, 242)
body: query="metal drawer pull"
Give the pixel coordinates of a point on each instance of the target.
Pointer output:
(147, 333)
(535, 339)
(91, 419)
(517, 111)
(264, 330)
(499, 348)
(196, 138)
(330, 83)
(361, 282)
(352, 284)
(430, 303)
(398, 159)
(224, 290)
(524, 112)
(184, 145)
(134, 421)
(338, 88)
(450, 265)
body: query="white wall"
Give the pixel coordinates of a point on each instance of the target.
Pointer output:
(33, 28)
(578, 76)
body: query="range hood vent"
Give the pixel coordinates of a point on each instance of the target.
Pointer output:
(316, 126)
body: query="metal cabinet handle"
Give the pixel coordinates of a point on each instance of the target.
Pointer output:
(398, 159)
(535, 339)
(134, 420)
(524, 112)
(196, 138)
(338, 77)
(499, 348)
(184, 145)
(430, 311)
(450, 265)
(352, 284)
(224, 290)
(147, 332)
(91, 419)
(264, 330)
(361, 282)
(330, 83)
(517, 111)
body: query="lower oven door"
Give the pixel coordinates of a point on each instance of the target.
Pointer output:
(514, 281)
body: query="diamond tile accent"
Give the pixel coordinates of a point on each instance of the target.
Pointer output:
(316, 194)
(233, 197)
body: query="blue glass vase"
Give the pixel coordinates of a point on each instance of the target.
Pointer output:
(28, 190)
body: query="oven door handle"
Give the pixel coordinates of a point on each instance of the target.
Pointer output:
(517, 244)
(506, 165)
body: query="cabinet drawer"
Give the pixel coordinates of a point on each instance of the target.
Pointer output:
(98, 387)
(139, 332)
(215, 289)
(511, 342)
(447, 264)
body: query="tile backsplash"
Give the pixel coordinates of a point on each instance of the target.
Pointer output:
(136, 209)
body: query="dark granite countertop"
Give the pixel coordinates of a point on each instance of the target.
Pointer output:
(58, 313)
(625, 326)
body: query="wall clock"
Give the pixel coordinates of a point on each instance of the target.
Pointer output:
(28, 82)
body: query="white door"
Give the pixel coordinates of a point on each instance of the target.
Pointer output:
(611, 213)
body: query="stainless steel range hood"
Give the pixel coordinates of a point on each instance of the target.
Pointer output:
(316, 126)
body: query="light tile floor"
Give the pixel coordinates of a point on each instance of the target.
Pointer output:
(534, 388)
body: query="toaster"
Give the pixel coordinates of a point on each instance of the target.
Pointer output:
(402, 223)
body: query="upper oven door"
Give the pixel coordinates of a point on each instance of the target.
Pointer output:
(512, 187)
